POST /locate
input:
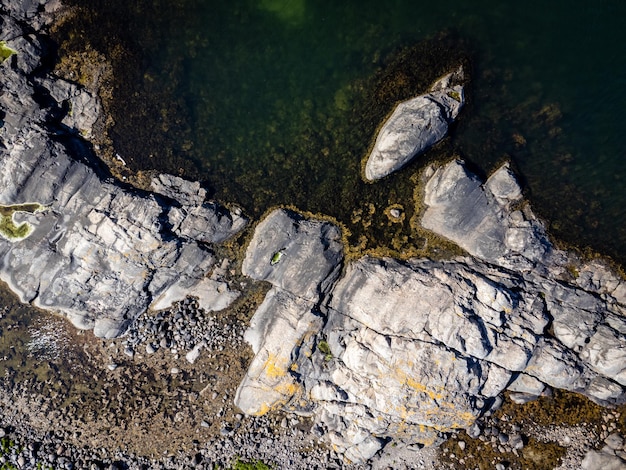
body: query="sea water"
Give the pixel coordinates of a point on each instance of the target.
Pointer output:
(258, 98)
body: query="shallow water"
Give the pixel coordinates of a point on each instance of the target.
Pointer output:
(270, 101)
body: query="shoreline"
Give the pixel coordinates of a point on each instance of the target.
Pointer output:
(114, 367)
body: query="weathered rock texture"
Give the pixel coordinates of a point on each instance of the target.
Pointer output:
(414, 126)
(301, 259)
(408, 350)
(100, 253)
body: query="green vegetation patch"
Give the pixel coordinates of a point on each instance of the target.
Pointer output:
(9, 229)
(324, 348)
(239, 464)
(5, 51)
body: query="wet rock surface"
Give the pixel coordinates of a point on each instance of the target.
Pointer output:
(409, 350)
(414, 126)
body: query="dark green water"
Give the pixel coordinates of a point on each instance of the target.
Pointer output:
(276, 101)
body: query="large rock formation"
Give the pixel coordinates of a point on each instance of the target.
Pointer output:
(86, 246)
(301, 259)
(414, 126)
(408, 350)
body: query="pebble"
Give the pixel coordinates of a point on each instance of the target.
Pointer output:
(614, 441)
(474, 431)
(516, 442)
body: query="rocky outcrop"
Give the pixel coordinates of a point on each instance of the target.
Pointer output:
(301, 259)
(409, 350)
(487, 219)
(414, 126)
(86, 246)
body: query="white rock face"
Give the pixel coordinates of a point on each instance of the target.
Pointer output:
(101, 253)
(480, 218)
(414, 126)
(408, 350)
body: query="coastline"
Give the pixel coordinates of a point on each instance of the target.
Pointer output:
(225, 434)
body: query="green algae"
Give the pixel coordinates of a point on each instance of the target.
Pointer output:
(9, 229)
(289, 11)
(5, 51)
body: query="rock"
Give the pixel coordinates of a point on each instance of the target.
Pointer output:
(310, 257)
(516, 442)
(91, 249)
(408, 350)
(194, 218)
(414, 126)
(614, 441)
(480, 217)
(193, 355)
(594, 460)
(297, 255)
(526, 388)
(474, 431)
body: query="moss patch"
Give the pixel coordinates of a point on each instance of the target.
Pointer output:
(5, 51)
(9, 229)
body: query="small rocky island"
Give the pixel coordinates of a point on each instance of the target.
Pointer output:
(374, 351)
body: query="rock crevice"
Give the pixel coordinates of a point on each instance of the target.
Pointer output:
(100, 253)
(410, 350)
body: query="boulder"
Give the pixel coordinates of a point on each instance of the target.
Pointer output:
(414, 126)
(190, 216)
(606, 461)
(301, 258)
(295, 254)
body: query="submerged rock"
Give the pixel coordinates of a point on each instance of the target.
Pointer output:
(414, 126)
(99, 253)
(410, 350)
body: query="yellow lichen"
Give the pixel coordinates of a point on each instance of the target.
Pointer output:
(275, 367)
(415, 385)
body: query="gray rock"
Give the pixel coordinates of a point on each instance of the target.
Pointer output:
(91, 249)
(194, 215)
(481, 219)
(297, 255)
(614, 441)
(594, 460)
(407, 350)
(526, 388)
(516, 442)
(414, 126)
